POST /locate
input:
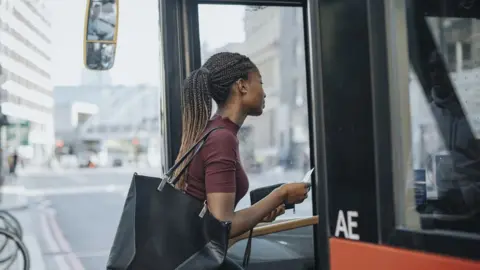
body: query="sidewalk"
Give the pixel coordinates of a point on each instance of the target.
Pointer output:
(15, 201)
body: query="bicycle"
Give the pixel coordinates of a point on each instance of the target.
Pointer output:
(12, 231)
(11, 258)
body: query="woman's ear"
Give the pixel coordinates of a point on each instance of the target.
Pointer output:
(242, 86)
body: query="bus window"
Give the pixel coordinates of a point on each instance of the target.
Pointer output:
(443, 189)
(274, 147)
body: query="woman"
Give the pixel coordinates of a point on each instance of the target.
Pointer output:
(216, 175)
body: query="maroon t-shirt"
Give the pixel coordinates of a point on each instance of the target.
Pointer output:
(217, 167)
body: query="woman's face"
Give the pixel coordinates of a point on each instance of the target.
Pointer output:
(253, 99)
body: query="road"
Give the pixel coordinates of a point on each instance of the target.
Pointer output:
(77, 212)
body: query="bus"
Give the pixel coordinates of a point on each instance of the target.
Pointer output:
(387, 88)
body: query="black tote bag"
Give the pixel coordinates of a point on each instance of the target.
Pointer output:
(163, 228)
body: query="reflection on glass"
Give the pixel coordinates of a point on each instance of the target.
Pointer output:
(102, 20)
(274, 147)
(445, 111)
(100, 56)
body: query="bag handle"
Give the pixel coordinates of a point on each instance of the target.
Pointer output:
(248, 251)
(170, 172)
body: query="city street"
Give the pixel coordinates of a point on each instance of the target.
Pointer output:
(77, 211)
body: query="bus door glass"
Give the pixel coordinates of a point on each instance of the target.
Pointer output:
(275, 146)
(440, 189)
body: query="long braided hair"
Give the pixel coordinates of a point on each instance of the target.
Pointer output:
(213, 80)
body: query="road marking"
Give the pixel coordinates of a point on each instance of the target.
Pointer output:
(52, 245)
(110, 188)
(65, 190)
(62, 241)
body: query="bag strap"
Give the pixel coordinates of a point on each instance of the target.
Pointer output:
(197, 146)
(248, 250)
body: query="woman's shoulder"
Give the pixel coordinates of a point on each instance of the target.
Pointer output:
(220, 144)
(222, 136)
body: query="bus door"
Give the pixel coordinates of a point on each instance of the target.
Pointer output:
(277, 146)
(341, 79)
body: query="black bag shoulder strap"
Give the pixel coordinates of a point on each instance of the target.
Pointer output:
(248, 251)
(197, 146)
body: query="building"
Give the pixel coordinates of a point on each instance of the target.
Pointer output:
(74, 105)
(275, 42)
(108, 119)
(26, 85)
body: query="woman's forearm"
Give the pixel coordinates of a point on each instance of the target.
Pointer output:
(246, 219)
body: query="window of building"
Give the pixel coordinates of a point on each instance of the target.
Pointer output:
(21, 18)
(4, 26)
(15, 56)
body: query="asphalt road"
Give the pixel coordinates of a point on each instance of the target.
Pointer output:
(77, 212)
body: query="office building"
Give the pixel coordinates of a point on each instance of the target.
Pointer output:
(26, 84)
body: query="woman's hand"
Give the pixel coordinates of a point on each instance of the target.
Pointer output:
(294, 193)
(274, 214)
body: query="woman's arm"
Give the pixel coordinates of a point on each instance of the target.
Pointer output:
(220, 161)
(222, 205)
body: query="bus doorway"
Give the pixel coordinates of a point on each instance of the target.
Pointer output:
(333, 77)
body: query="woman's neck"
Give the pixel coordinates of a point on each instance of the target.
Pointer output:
(235, 116)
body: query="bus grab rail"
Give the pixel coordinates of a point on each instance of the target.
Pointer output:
(276, 227)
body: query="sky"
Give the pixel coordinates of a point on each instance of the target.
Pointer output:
(137, 56)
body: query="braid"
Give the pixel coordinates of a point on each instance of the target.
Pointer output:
(226, 68)
(212, 81)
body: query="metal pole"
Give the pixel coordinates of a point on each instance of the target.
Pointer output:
(2, 79)
(1, 144)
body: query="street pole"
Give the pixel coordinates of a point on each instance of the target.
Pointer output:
(3, 122)
(1, 143)
(2, 79)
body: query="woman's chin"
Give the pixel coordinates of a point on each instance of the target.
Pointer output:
(256, 112)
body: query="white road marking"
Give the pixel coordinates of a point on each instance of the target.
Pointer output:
(65, 190)
(52, 245)
(62, 242)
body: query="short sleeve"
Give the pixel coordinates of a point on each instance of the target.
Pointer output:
(220, 160)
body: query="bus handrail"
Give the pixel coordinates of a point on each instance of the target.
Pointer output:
(264, 229)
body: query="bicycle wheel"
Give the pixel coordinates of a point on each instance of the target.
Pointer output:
(20, 246)
(12, 225)
(13, 221)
